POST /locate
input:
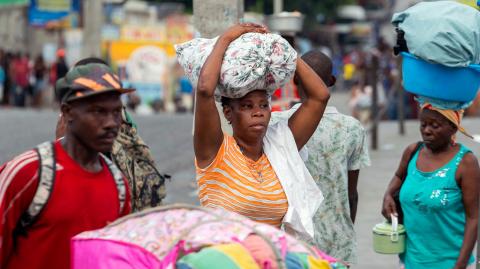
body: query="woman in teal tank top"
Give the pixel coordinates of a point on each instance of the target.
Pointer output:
(439, 197)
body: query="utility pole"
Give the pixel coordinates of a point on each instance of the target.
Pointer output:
(372, 73)
(372, 70)
(211, 18)
(92, 14)
(277, 6)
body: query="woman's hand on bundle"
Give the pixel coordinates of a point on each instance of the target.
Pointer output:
(237, 30)
(389, 207)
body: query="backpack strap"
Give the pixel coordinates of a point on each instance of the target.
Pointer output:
(119, 181)
(46, 178)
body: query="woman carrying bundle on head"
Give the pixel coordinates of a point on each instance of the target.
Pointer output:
(258, 171)
(438, 178)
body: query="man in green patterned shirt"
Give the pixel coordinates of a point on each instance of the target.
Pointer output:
(336, 153)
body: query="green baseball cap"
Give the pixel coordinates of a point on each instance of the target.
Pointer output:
(88, 80)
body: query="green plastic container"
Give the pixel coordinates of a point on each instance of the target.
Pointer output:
(389, 238)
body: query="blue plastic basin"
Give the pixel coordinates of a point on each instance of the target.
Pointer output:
(458, 84)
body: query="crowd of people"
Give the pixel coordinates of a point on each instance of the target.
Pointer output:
(296, 170)
(357, 75)
(27, 82)
(24, 81)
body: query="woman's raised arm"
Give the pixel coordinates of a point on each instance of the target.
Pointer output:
(304, 121)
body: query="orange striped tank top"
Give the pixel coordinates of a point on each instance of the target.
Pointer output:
(236, 183)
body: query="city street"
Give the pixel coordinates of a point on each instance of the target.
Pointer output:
(171, 52)
(169, 137)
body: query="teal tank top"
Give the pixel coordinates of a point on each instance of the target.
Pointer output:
(434, 215)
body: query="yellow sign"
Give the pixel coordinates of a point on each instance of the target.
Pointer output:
(121, 50)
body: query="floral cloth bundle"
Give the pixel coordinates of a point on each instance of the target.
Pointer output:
(252, 62)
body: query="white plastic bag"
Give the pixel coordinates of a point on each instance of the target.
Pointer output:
(303, 195)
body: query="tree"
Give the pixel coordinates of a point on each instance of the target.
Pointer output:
(310, 8)
(188, 3)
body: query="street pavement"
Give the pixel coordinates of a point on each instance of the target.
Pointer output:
(169, 137)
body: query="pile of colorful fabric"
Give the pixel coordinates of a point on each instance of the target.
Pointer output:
(254, 252)
(189, 237)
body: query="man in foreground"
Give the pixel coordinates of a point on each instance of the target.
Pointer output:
(60, 189)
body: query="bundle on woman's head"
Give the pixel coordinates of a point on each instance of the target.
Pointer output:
(441, 56)
(252, 62)
(444, 32)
